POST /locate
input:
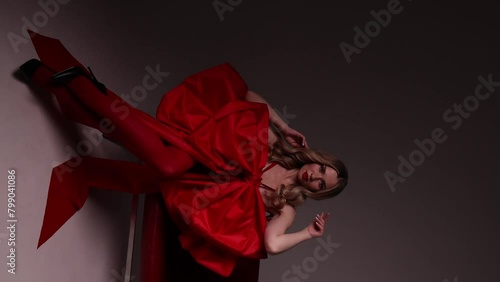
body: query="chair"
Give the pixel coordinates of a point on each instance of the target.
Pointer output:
(164, 260)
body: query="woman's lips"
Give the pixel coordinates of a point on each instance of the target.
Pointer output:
(304, 176)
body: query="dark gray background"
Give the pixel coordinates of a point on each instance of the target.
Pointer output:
(440, 223)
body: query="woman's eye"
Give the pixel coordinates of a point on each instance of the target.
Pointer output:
(323, 168)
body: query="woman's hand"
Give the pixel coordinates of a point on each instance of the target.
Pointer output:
(317, 227)
(294, 137)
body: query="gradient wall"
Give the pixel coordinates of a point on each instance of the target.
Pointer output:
(407, 97)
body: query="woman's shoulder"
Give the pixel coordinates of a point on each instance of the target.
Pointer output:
(287, 210)
(286, 216)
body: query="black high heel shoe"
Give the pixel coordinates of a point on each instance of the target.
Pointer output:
(66, 75)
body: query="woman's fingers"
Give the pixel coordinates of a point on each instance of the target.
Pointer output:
(304, 143)
(319, 223)
(320, 220)
(319, 229)
(295, 138)
(300, 140)
(318, 217)
(293, 141)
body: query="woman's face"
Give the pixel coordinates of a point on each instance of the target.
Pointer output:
(317, 177)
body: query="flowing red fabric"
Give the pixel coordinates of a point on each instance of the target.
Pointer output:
(221, 214)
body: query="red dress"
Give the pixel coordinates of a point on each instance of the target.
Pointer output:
(221, 214)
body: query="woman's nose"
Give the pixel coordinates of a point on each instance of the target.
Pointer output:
(313, 176)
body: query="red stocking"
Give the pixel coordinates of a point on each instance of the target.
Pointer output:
(70, 181)
(82, 102)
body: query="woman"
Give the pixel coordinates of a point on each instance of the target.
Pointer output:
(210, 147)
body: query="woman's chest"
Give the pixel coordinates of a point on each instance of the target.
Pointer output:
(272, 176)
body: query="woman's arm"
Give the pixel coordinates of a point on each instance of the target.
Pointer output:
(276, 241)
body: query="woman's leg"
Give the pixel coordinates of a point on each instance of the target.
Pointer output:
(82, 102)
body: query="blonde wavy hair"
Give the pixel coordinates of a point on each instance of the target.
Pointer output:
(294, 158)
